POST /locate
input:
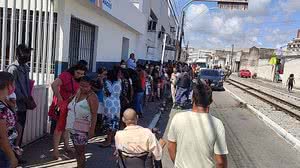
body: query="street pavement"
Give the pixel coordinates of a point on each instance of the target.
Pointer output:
(39, 153)
(251, 143)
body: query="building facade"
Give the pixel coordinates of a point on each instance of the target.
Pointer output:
(161, 21)
(202, 57)
(294, 45)
(102, 32)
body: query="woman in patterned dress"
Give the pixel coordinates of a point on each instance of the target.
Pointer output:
(112, 106)
(8, 131)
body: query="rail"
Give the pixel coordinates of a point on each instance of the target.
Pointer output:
(285, 106)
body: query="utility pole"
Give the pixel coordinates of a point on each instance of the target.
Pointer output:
(186, 50)
(231, 66)
(181, 35)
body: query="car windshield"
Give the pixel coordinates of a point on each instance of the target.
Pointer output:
(209, 73)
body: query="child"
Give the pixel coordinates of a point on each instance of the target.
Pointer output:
(291, 82)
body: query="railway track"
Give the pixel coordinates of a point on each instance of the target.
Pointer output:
(277, 102)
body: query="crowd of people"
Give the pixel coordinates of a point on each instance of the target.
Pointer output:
(110, 102)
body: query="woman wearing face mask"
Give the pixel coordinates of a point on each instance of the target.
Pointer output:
(8, 132)
(64, 87)
(82, 118)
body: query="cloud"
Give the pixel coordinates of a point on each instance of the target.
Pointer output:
(289, 6)
(207, 28)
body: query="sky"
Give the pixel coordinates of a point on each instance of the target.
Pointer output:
(266, 24)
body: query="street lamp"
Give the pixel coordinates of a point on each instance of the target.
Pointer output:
(222, 4)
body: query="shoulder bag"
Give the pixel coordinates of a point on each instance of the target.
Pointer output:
(80, 124)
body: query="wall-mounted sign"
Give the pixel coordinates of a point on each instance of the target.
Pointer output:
(97, 3)
(107, 5)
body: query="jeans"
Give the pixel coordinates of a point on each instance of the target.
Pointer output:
(138, 105)
(4, 162)
(180, 93)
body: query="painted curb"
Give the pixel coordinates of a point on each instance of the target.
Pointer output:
(154, 120)
(275, 127)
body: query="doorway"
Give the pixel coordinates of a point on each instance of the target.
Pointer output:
(125, 48)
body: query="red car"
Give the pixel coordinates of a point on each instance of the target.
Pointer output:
(245, 73)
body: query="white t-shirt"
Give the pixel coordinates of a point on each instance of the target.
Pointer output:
(199, 136)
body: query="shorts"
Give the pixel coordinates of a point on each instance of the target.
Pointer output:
(111, 124)
(100, 108)
(21, 118)
(79, 138)
(4, 162)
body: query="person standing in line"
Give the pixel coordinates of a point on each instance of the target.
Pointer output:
(173, 84)
(112, 105)
(196, 138)
(131, 62)
(126, 94)
(291, 82)
(8, 131)
(20, 70)
(139, 85)
(182, 88)
(64, 87)
(82, 118)
(100, 80)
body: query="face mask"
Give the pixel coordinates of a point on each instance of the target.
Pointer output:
(11, 90)
(123, 66)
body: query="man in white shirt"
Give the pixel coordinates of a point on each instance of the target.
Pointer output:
(196, 139)
(137, 142)
(131, 62)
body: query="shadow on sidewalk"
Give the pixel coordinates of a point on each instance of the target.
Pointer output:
(39, 153)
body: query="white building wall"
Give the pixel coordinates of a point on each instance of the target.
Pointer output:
(265, 70)
(160, 9)
(109, 30)
(291, 66)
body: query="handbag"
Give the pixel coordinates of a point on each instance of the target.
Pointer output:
(29, 103)
(81, 125)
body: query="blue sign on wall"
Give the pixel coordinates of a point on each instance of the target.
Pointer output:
(107, 5)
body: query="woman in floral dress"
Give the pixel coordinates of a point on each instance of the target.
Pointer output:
(112, 106)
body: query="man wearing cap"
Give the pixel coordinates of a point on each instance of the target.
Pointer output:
(20, 70)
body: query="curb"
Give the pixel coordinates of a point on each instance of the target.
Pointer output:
(274, 126)
(154, 120)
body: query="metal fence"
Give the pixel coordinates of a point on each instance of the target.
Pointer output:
(31, 22)
(34, 26)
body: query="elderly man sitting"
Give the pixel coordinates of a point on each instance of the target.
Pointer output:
(135, 144)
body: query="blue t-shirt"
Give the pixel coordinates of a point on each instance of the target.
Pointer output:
(100, 95)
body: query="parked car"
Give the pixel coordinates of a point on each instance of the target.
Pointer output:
(244, 73)
(214, 77)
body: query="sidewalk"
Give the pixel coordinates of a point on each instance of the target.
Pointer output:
(39, 154)
(277, 86)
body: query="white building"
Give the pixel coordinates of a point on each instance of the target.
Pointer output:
(103, 32)
(294, 45)
(200, 56)
(160, 19)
